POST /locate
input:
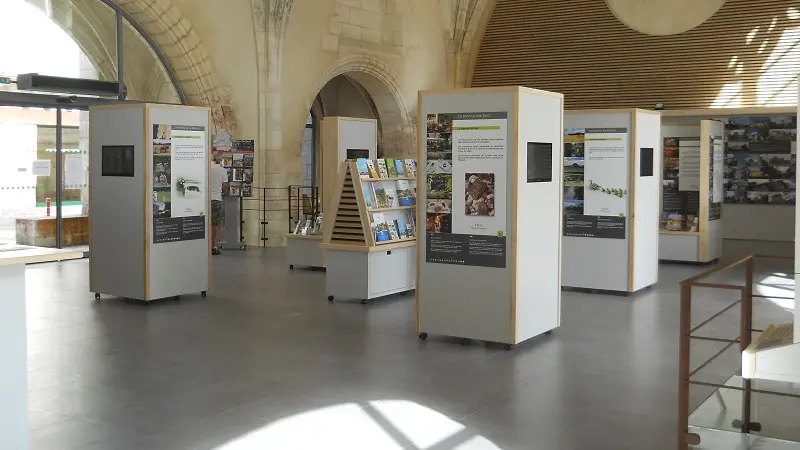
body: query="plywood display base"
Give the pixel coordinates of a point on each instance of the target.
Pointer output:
(13, 340)
(365, 273)
(304, 251)
(773, 356)
(681, 246)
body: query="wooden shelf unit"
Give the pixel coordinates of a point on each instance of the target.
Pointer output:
(352, 219)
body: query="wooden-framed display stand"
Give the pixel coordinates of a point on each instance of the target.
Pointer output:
(612, 191)
(691, 221)
(359, 267)
(343, 138)
(489, 269)
(150, 203)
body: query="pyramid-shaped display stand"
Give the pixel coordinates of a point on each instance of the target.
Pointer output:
(351, 224)
(357, 266)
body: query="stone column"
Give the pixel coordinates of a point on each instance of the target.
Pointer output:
(276, 170)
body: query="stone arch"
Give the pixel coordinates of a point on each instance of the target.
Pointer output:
(170, 31)
(380, 82)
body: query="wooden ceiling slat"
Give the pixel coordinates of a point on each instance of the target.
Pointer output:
(578, 48)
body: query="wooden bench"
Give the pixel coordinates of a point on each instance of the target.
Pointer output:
(41, 231)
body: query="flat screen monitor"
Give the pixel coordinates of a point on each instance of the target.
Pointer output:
(117, 160)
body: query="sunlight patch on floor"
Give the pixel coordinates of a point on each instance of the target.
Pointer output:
(377, 425)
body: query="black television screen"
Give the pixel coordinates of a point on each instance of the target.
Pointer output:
(540, 162)
(117, 161)
(645, 162)
(355, 153)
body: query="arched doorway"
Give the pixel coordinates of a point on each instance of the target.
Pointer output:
(359, 86)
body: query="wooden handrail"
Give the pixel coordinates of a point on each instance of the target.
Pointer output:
(745, 336)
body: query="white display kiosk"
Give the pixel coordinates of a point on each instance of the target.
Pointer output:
(692, 191)
(775, 355)
(14, 338)
(612, 184)
(489, 190)
(369, 234)
(149, 200)
(344, 138)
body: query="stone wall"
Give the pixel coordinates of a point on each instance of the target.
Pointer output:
(260, 65)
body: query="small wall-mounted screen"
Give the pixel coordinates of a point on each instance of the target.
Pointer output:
(540, 162)
(645, 162)
(117, 160)
(355, 153)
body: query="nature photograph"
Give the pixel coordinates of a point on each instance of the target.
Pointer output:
(439, 223)
(439, 185)
(573, 207)
(479, 194)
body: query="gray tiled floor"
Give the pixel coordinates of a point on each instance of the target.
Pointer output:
(265, 362)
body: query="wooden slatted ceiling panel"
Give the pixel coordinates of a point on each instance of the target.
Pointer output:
(580, 49)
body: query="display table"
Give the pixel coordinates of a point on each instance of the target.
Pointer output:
(13, 339)
(304, 250)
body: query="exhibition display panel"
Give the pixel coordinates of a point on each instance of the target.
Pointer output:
(490, 198)
(612, 184)
(759, 170)
(369, 237)
(13, 338)
(344, 138)
(775, 355)
(149, 200)
(692, 191)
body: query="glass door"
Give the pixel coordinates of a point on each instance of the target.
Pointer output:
(23, 176)
(43, 177)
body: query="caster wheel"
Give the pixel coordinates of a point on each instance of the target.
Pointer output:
(203, 294)
(330, 298)
(177, 298)
(423, 336)
(364, 302)
(291, 266)
(97, 296)
(507, 347)
(465, 341)
(548, 332)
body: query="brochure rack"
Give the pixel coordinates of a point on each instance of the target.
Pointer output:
(612, 180)
(490, 196)
(369, 250)
(692, 191)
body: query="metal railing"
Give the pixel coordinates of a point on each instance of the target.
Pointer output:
(745, 301)
(294, 200)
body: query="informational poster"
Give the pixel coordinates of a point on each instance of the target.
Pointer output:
(180, 172)
(238, 161)
(74, 171)
(470, 182)
(689, 164)
(595, 182)
(41, 168)
(680, 207)
(760, 160)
